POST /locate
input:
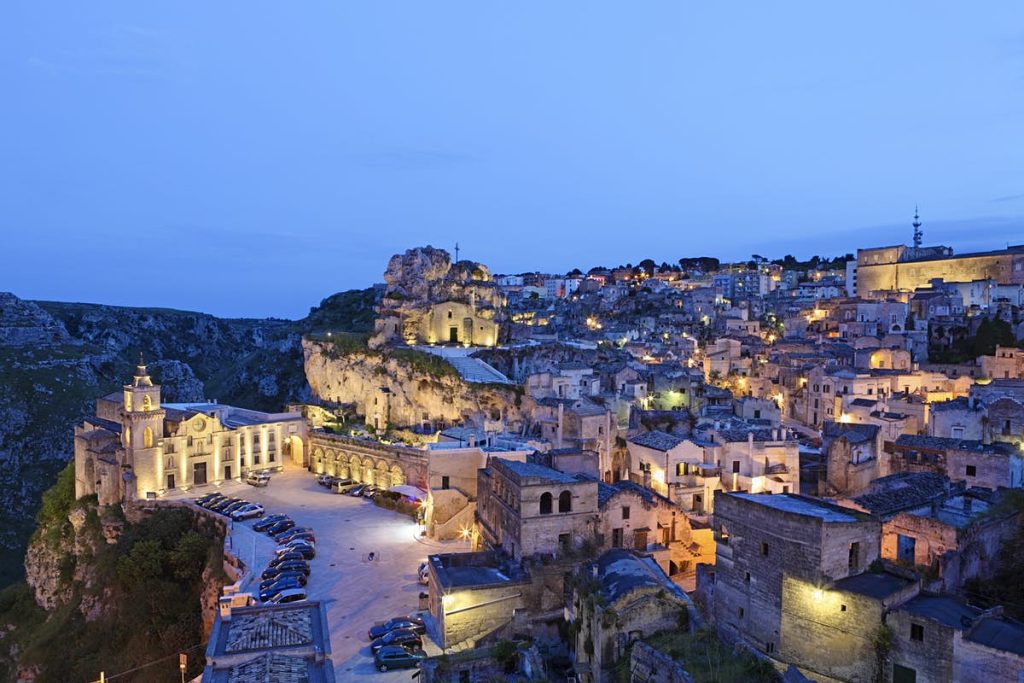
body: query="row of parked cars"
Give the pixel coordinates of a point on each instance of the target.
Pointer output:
(284, 579)
(347, 486)
(398, 643)
(235, 508)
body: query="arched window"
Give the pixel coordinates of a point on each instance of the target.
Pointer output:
(545, 504)
(147, 437)
(565, 502)
(147, 402)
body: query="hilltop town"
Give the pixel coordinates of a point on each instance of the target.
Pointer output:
(689, 471)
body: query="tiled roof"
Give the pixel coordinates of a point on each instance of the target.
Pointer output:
(269, 629)
(605, 492)
(939, 443)
(854, 432)
(658, 440)
(876, 585)
(534, 471)
(902, 491)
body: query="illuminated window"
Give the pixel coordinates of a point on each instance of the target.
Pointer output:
(147, 437)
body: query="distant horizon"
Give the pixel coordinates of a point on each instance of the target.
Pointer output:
(978, 246)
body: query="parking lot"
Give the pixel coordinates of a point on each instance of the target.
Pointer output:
(357, 592)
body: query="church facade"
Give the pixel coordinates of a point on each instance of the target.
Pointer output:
(137, 447)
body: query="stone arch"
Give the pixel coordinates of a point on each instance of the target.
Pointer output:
(330, 462)
(318, 460)
(355, 470)
(565, 501)
(545, 503)
(383, 475)
(343, 467)
(397, 476)
(294, 451)
(147, 437)
(368, 471)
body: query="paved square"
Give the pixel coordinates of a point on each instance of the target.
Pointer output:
(357, 592)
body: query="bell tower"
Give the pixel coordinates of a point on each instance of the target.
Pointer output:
(143, 429)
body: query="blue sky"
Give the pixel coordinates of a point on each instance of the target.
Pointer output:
(250, 158)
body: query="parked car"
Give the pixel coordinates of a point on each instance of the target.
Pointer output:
(298, 576)
(219, 505)
(324, 479)
(296, 542)
(247, 511)
(305, 551)
(414, 624)
(278, 528)
(423, 573)
(358, 490)
(369, 491)
(294, 532)
(395, 657)
(404, 637)
(341, 485)
(257, 478)
(289, 595)
(209, 497)
(269, 521)
(288, 567)
(287, 557)
(277, 586)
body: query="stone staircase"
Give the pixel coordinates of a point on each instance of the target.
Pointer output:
(475, 370)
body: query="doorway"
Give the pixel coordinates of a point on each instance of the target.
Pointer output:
(170, 481)
(199, 473)
(227, 471)
(453, 335)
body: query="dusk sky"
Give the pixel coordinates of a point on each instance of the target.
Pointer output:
(250, 158)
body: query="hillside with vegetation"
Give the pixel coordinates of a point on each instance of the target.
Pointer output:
(107, 594)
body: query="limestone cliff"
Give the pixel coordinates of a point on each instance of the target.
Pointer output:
(409, 387)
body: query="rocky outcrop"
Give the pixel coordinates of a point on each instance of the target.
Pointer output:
(412, 393)
(422, 277)
(23, 323)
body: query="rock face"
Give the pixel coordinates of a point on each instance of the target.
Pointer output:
(421, 279)
(374, 382)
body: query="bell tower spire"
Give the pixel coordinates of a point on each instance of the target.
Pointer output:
(918, 234)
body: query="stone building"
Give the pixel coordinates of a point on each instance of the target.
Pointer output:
(1006, 363)
(138, 447)
(528, 510)
(583, 425)
(619, 599)
(676, 467)
(904, 269)
(765, 540)
(366, 461)
(941, 638)
(953, 538)
(830, 629)
(986, 465)
(852, 459)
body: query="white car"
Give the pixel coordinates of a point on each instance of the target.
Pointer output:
(258, 478)
(248, 511)
(290, 545)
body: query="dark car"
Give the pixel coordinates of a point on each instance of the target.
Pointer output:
(394, 657)
(278, 586)
(280, 527)
(228, 509)
(282, 576)
(404, 637)
(304, 550)
(221, 503)
(208, 498)
(286, 567)
(414, 624)
(357, 491)
(268, 522)
(292, 533)
(288, 557)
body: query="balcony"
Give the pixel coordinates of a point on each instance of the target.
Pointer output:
(779, 468)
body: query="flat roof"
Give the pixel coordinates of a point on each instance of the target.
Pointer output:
(876, 585)
(943, 609)
(798, 505)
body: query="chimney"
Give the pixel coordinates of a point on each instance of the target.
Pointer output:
(225, 608)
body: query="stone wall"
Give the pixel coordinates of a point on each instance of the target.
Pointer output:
(367, 461)
(910, 275)
(647, 665)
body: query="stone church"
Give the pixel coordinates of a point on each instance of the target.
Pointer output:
(137, 447)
